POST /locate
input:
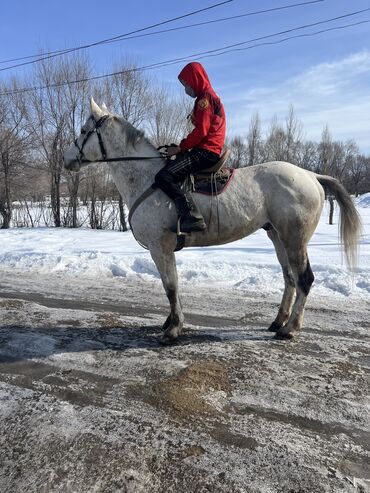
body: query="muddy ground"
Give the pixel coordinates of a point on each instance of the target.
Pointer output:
(92, 402)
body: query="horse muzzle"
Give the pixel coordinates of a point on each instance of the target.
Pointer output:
(71, 159)
(72, 165)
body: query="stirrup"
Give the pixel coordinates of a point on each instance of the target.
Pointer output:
(178, 229)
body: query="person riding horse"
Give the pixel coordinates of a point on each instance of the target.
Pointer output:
(282, 198)
(200, 150)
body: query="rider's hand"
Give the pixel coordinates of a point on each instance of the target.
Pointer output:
(173, 150)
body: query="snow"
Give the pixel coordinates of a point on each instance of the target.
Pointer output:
(86, 372)
(248, 265)
(364, 200)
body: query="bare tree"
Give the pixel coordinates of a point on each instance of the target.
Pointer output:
(335, 158)
(325, 153)
(75, 97)
(254, 141)
(14, 146)
(293, 132)
(167, 119)
(282, 143)
(326, 163)
(306, 155)
(128, 93)
(52, 118)
(239, 152)
(275, 144)
(100, 190)
(359, 174)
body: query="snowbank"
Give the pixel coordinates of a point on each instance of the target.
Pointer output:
(249, 264)
(363, 200)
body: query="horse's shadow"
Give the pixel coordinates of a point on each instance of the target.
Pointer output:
(22, 342)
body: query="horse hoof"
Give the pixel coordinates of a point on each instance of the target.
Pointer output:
(167, 341)
(284, 336)
(171, 334)
(274, 327)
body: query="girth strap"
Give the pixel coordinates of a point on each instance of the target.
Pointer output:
(148, 192)
(138, 201)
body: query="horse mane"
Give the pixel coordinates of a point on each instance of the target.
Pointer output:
(133, 135)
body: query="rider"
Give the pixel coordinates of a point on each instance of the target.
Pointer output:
(201, 149)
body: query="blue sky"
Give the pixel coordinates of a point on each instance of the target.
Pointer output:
(326, 77)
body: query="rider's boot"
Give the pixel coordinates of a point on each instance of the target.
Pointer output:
(189, 215)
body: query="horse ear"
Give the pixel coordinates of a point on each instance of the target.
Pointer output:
(96, 112)
(139, 136)
(104, 108)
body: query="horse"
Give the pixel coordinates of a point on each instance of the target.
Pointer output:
(280, 197)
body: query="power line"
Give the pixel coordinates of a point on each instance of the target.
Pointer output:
(205, 54)
(304, 35)
(249, 14)
(222, 51)
(127, 36)
(70, 50)
(286, 31)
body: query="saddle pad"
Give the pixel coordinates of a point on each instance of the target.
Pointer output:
(213, 184)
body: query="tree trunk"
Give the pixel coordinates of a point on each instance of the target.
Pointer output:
(122, 218)
(331, 210)
(74, 198)
(6, 203)
(6, 215)
(55, 197)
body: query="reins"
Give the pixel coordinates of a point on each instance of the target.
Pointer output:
(105, 159)
(146, 193)
(113, 159)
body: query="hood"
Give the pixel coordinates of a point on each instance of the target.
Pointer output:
(194, 75)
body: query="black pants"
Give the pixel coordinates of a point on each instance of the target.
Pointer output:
(170, 177)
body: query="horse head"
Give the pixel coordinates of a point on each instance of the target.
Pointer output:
(88, 146)
(102, 136)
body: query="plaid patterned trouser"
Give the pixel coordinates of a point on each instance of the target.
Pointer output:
(170, 177)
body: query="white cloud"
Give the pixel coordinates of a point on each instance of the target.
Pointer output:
(336, 94)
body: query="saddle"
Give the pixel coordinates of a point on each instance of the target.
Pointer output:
(216, 167)
(213, 180)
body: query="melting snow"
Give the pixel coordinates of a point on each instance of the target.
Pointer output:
(249, 264)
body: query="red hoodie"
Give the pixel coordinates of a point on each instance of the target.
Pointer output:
(208, 114)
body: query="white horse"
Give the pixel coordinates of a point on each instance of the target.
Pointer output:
(284, 199)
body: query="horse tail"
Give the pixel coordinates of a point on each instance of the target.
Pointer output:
(350, 222)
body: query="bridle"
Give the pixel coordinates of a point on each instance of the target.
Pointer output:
(98, 124)
(81, 158)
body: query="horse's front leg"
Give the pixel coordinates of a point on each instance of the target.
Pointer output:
(166, 265)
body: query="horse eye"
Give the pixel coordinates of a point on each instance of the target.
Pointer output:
(83, 131)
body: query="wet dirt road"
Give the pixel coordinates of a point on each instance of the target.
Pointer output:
(90, 401)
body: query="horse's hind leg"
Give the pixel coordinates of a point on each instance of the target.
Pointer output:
(166, 265)
(303, 277)
(289, 291)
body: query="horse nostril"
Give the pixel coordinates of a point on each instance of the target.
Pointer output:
(71, 165)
